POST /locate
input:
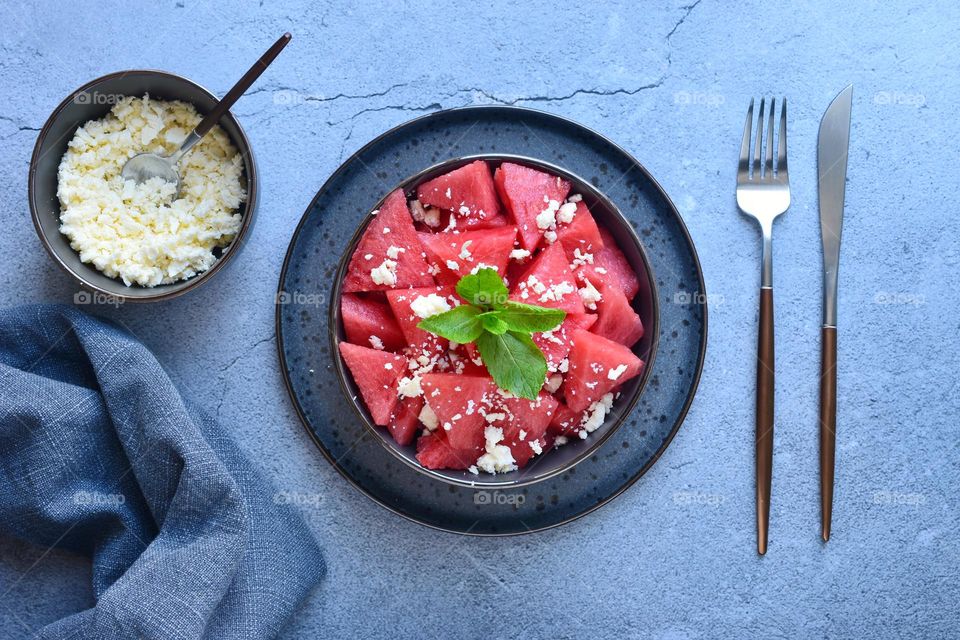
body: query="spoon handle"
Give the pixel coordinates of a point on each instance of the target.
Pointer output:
(241, 87)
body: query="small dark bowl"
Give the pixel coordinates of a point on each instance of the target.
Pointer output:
(92, 101)
(555, 461)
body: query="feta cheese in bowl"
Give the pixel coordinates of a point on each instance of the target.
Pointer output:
(140, 233)
(133, 242)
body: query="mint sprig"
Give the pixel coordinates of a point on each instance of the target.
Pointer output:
(501, 329)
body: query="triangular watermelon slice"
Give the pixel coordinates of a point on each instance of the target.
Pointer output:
(370, 323)
(610, 265)
(556, 344)
(526, 421)
(388, 255)
(455, 255)
(526, 193)
(459, 402)
(548, 282)
(597, 365)
(616, 319)
(581, 234)
(434, 452)
(405, 420)
(468, 192)
(401, 301)
(376, 374)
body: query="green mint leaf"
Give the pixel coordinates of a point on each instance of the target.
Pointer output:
(514, 361)
(492, 323)
(484, 288)
(530, 319)
(461, 324)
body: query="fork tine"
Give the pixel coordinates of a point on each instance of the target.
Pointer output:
(782, 154)
(744, 167)
(758, 148)
(768, 165)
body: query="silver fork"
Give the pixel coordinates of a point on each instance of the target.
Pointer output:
(763, 193)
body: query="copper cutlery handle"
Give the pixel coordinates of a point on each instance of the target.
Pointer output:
(828, 425)
(764, 416)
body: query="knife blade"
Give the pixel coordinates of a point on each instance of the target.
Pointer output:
(833, 142)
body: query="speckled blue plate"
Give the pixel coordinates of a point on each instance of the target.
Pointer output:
(303, 321)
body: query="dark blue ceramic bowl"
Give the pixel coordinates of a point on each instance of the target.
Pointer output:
(94, 100)
(556, 461)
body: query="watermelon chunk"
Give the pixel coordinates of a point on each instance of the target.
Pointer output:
(616, 319)
(390, 241)
(564, 422)
(526, 193)
(580, 233)
(376, 374)
(526, 421)
(400, 301)
(548, 282)
(434, 452)
(597, 365)
(610, 265)
(455, 255)
(556, 344)
(457, 401)
(468, 192)
(405, 420)
(370, 323)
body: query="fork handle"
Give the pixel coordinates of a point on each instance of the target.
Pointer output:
(764, 416)
(828, 426)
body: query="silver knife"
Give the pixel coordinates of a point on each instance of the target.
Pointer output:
(832, 145)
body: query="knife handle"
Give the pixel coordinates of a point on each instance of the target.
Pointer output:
(828, 425)
(764, 416)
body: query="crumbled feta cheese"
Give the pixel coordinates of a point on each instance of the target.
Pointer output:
(566, 212)
(559, 441)
(596, 414)
(368, 256)
(145, 234)
(493, 417)
(498, 458)
(576, 197)
(556, 291)
(452, 265)
(473, 469)
(448, 193)
(465, 251)
(564, 366)
(386, 230)
(601, 271)
(385, 274)
(519, 254)
(409, 387)
(536, 446)
(553, 383)
(523, 434)
(548, 217)
(616, 372)
(429, 305)
(481, 265)
(394, 252)
(581, 258)
(464, 210)
(429, 418)
(550, 236)
(590, 295)
(429, 216)
(376, 342)
(388, 366)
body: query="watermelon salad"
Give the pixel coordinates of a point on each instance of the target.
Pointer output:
(438, 395)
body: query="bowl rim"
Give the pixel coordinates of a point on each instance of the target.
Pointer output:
(334, 319)
(192, 283)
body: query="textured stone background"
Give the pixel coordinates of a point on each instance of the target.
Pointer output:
(673, 557)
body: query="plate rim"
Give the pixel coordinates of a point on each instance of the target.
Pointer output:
(701, 358)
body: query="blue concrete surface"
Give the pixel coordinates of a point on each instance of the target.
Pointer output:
(673, 557)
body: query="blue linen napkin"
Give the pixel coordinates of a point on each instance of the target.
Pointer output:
(99, 455)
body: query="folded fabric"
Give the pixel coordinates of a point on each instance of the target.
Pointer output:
(99, 455)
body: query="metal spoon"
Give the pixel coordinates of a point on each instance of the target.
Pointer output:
(144, 166)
